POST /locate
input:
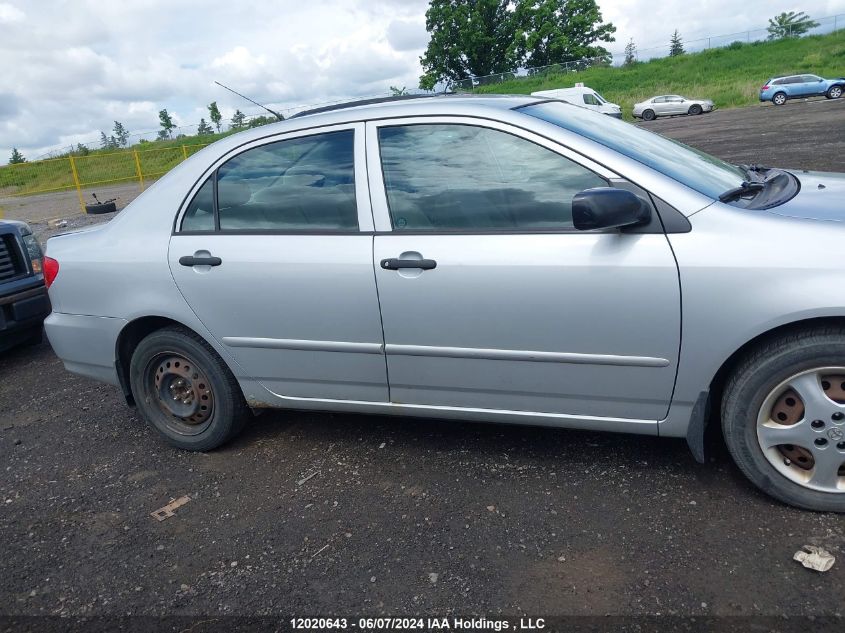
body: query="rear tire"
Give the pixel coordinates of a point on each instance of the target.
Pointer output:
(648, 115)
(185, 391)
(834, 92)
(695, 109)
(99, 209)
(780, 454)
(779, 99)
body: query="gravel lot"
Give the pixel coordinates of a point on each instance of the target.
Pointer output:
(318, 514)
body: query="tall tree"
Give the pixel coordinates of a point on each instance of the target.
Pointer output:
(630, 53)
(396, 91)
(121, 134)
(166, 122)
(238, 120)
(258, 121)
(204, 128)
(107, 142)
(17, 157)
(468, 38)
(790, 24)
(557, 31)
(214, 114)
(676, 45)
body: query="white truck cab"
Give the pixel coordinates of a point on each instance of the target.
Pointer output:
(583, 96)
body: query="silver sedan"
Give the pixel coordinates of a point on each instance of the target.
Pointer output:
(499, 259)
(670, 105)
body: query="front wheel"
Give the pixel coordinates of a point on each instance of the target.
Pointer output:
(695, 109)
(783, 418)
(834, 92)
(779, 99)
(185, 391)
(648, 115)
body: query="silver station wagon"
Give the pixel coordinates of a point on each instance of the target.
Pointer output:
(498, 259)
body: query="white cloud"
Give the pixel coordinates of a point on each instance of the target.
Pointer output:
(72, 67)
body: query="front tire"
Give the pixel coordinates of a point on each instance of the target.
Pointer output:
(783, 418)
(648, 115)
(695, 109)
(779, 99)
(834, 92)
(185, 391)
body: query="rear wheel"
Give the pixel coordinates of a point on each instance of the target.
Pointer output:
(783, 418)
(648, 115)
(779, 98)
(695, 109)
(185, 391)
(834, 92)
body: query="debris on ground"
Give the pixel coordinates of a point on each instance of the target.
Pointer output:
(306, 478)
(165, 512)
(57, 223)
(813, 557)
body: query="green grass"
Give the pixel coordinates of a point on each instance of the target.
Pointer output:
(730, 76)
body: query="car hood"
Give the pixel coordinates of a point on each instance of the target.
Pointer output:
(820, 198)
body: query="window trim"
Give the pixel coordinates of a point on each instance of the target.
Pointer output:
(378, 193)
(362, 192)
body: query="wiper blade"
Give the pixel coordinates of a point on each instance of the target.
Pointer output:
(751, 171)
(743, 190)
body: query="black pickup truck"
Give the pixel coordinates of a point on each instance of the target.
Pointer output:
(23, 296)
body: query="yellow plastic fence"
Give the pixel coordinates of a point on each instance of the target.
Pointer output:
(81, 172)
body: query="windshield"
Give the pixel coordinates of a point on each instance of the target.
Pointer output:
(697, 170)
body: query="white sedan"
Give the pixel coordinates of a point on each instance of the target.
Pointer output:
(670, 105)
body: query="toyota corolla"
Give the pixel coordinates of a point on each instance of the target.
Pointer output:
(507, 259)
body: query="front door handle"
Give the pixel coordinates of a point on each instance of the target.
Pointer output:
(396, 264)
(190, 260)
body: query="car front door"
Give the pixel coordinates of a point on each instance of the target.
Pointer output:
(675, 104)
(813, 85)
(274, 255)
(489, 297)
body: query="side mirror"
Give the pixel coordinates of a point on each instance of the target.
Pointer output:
(608, 208)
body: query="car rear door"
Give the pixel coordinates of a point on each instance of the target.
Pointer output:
(491, 300)
(274, 254)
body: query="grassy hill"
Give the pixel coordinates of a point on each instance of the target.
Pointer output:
(730, 76)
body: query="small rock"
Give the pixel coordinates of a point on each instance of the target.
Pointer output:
(17, 442)
(184, 587)
(433, 577)
(491, 508)
(382, 445)
(372, 578)
(234, 563)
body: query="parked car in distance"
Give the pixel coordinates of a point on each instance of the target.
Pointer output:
(670, 105)
(583, 96)
(779, 90)
(497, 259)
(23, 295)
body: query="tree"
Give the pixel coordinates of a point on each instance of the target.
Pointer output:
(108, 142)
(166, 123)
(258, 121)
(238, 120)
(557, 31)
(398, 92)
(81, 150)
(676, 45)
(121, 134)
(162, 135)
(17, 157)
(790, 24)
(630, 53)
(214, 114)
(204, 128)
(468, 38)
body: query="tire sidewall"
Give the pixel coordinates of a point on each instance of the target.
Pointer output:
(695, 110)
(739, 422)
(220, 427)
(781, 96)
(830, 92)
(649, 115)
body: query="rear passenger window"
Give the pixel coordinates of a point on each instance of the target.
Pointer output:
(200, 213)
(299, 184)
(462, 177)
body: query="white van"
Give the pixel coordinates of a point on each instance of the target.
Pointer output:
(583, 96)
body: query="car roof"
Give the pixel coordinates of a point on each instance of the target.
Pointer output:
(442, 105)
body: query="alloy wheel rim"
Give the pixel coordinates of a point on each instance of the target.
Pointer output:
(836, 93)
(780, 99)
(182, 392)
(801, 429)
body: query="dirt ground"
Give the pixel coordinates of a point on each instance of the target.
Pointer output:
(319, 514)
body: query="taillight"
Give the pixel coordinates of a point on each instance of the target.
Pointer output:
(51, 269)
(764, 88)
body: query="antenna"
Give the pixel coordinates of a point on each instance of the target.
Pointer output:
(275, 114)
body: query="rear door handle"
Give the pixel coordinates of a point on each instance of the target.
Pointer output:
(396, 264)
(190, 260)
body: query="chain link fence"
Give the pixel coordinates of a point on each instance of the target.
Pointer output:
(824, 26)
(92, 170)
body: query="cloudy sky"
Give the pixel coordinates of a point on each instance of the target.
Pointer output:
(72, 67)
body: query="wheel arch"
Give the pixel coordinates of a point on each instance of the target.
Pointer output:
(132, 334)
(712, 403)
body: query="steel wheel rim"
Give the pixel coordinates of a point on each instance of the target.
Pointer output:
(801, 429)
(182, 392)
